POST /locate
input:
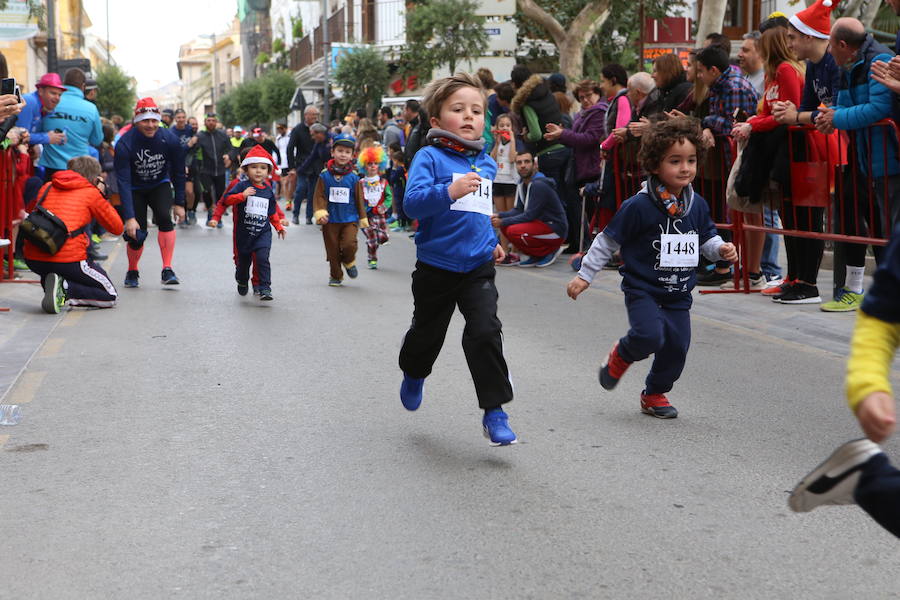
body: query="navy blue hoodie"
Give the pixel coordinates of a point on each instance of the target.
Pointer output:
(538, 201)
(144, 163)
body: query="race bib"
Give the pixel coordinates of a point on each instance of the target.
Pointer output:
(679, 250)
(339, 195)
(479, 201)
(257, 206)
(373, 194)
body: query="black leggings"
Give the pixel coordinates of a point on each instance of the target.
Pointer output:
(804, 255)
(160, 200)
(213, 188)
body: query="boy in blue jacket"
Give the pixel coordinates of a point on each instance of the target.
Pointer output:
(449, 192)
(661, 232)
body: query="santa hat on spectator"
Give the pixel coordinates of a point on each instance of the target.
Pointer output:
(815, 21)
(258, 155)
(146, 109)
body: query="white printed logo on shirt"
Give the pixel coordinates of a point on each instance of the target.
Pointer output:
(479, 201)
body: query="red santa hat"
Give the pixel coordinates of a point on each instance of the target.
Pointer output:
(815, 21)
(146, 109)
(258, 155)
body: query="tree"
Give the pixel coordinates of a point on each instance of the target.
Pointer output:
(443, 32)
(278, 91)
(117, 94)
(245, 100)
(362, 76)
(225, 109)
(613, 33)
(711, 19)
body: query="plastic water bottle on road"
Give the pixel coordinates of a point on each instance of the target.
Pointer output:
(10, 414)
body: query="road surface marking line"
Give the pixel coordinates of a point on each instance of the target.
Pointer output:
(72, 317)
(51, 347)
(27, 387)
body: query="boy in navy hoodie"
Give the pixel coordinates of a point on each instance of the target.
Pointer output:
(449, 192)
(661, 232)
(254, 208)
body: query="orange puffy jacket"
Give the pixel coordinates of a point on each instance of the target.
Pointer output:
(77, 202)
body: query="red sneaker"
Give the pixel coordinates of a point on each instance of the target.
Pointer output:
(778, 289)
(657, 405)
(612, 370)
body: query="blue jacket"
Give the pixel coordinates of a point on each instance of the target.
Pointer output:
(31, 118)
(862, 101)
(452, 240)
(80, 120)
(144, 163)
(340, 212)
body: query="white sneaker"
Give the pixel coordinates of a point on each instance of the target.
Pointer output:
(4, 242)
(834, 481)
(759, 283)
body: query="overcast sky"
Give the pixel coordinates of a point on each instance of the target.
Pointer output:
(146, 35)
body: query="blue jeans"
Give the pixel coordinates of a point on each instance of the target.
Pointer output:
(769, 261)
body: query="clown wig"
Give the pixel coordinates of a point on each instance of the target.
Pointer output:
(373, 154)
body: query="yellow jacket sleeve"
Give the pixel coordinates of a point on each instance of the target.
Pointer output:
(871, 354)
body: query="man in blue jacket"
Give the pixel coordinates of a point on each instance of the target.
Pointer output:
(537, 224)
(78, 119)
(861, 102)
(39, 103)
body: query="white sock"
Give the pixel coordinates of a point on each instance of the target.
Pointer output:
(855, 279)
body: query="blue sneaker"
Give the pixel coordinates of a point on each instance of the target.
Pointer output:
(352, 271)
(131, 279)
(496, 428)
(335, 282)
(168, 276)
(548, 260)
(411, 392)
(529, 262)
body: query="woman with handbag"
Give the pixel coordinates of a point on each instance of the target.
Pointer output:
(75, 197)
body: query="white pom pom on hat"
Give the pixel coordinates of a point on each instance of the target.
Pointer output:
(827, 3)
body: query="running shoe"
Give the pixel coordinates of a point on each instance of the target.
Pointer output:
(758, 282)
(510, 260)
(777, 290)
(799, 293)
(657, 405)
(496, 428)
(308, 222)
(243, 288)
(131, 279)
(613, 369)
(192, 217)
(373, 264)
(548, 260)
(833, 482)
(411, 392)
(295, 220)
(713, 278)
(531, 261)
(352, 271)
(846, 301)
(220, 225)
(265, 294)
(96, 238)
(54, 295)
(335, 282)
(168, 277)
(20, 265)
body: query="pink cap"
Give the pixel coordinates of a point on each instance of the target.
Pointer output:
(51, 80)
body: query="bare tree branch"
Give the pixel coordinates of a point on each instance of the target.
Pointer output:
(544, 19)
(589, 19)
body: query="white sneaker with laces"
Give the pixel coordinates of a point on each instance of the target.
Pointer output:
(834, 481)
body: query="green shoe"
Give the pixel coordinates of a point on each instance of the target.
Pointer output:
(54, 294)
(20, 265)
(96, 238)
(846, 301)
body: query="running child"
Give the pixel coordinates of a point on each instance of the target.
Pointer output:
(397, 178)
(254, 205)
(340, 209)
(449, 192)
(661, 232)
(504, 153)
(859, 472)
(372, 162)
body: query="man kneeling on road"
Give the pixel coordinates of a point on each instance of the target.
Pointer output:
(537, 224)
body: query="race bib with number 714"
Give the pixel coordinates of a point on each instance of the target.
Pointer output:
(479, 201)
(679, 250)
(339, 195)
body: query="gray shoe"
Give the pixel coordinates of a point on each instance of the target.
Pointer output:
(834, 481)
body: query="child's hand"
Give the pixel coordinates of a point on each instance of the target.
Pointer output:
(576, 286)
(466, 184)
(282, 233)
(877, 416)
(322, 220)
(212, 223)
(250, 191)
(285, 223)
(499, 253)
(728, 252)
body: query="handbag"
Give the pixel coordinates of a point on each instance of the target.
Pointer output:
(46, 230)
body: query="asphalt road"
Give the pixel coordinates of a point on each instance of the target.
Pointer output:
(191, 443)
